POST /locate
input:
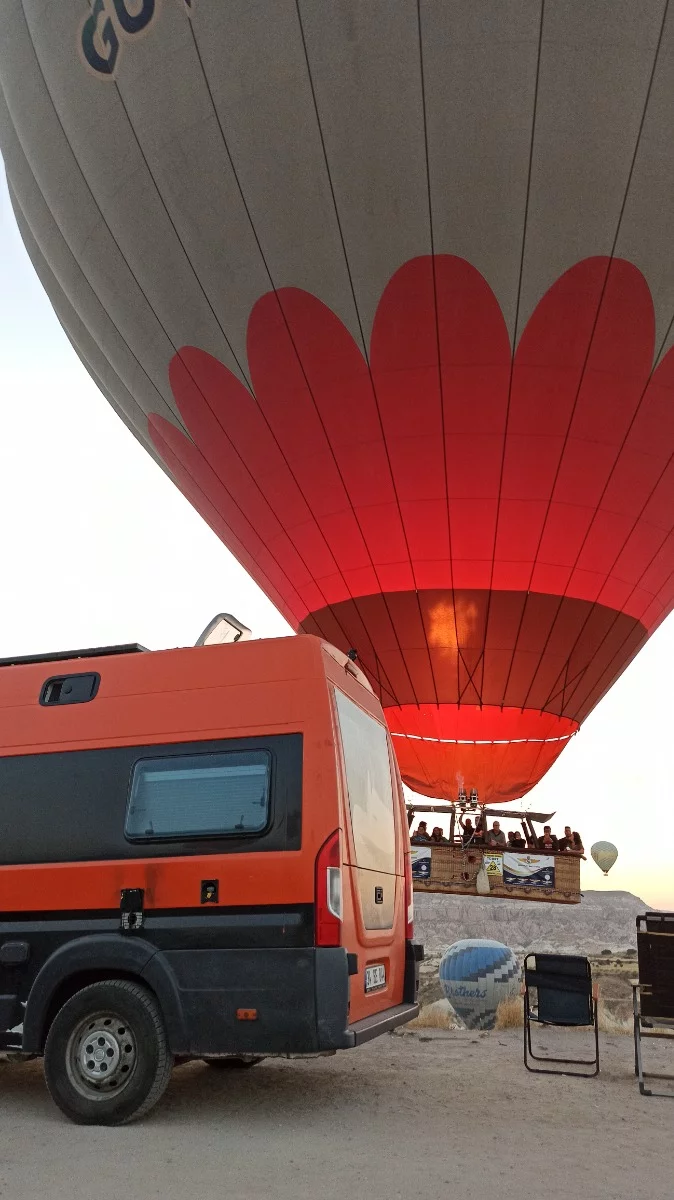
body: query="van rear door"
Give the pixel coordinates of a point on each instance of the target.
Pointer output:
(373, 863)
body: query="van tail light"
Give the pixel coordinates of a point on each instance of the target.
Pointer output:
(329, 892)
(409, 898)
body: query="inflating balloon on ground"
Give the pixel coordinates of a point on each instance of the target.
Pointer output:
(475, 976)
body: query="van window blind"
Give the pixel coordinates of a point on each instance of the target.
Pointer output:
(200, 795)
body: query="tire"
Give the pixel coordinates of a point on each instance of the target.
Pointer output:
(106, 1059)
(233, 1063)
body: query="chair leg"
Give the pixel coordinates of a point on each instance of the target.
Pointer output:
(639, 1062)
(668, 1095)
(596, 1035)
(638, 1053)
(577, 1062)
(637, 1047)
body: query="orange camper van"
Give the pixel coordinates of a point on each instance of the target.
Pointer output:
(203, 854)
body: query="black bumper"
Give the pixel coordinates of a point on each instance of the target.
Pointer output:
(254, 1001)
(383, 1022)
(300, 996)
(414, 954)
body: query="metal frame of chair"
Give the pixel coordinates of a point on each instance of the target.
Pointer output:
(653, 992)
(560, 979)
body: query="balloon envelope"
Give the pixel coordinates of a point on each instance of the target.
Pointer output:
(604, 854)
(476, 975)
(386, 288)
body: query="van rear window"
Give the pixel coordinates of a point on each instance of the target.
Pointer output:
(200, 795)
(368, 779)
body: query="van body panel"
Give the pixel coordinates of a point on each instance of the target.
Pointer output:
(168, 883)
(228, 919)
(369, 806)
(374, 908)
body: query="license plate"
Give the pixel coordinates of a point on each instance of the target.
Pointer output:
(375, 977)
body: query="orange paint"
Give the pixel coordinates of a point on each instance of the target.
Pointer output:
(250, 689)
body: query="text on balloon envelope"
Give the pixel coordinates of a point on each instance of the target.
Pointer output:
(111, 20)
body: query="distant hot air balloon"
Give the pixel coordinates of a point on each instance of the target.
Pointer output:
(476, 975)
(388, 290)
(604, 854)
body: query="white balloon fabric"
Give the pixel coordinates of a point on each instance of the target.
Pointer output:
(604, 854)
(476, 975)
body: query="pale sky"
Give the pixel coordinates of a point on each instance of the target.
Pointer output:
(99, 547)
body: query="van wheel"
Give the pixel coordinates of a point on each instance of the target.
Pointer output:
(233, 1063)
(106, 1060)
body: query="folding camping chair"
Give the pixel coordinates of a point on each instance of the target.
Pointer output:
(565, 996)
(653, 992)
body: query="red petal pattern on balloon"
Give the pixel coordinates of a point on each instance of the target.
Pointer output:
(493, 534)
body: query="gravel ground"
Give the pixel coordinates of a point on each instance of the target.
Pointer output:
(412, 1116)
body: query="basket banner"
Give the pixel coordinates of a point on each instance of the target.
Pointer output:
(529, 870)
(421, 862)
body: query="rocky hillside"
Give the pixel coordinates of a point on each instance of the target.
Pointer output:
(602, 921)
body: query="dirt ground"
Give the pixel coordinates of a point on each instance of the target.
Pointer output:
(412, 1116)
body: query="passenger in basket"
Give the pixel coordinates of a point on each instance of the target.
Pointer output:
(467, 831)
(516, 841)
(438, 836)
(572, 842)
(548, 843)
(566, 842)
(420, 834)
(496, 837)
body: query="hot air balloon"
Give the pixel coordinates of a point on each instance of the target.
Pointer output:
(604, 854)
(476, 975)
(387, 289)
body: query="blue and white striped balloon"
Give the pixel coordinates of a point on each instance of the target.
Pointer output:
(476, 975)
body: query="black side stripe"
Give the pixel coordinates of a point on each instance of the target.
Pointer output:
(214, 927)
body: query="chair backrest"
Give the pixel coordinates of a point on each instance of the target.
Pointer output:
(655, 948)
(564, 986)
